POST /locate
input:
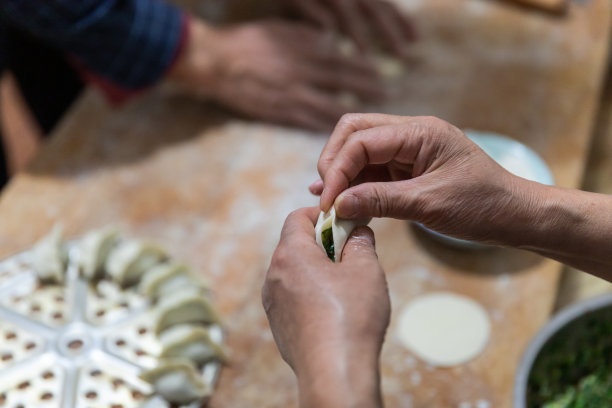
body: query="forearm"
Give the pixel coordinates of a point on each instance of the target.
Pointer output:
(343, 379)
(571, 226)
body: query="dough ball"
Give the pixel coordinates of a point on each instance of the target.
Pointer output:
(444, 329)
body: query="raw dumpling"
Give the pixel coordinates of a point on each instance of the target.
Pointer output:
(186, 306)
(191, 342)
(177, 381)
(167, 278)
(94, 250)
(50, 257)
(331, 233)
(130, 260)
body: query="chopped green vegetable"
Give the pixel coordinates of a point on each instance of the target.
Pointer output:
(327, 238)
(574, 368)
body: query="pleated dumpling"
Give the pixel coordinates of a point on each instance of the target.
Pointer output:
(50, 257)
(331, 233)
(191, 342)
(177, 381)
(188, 306)
(129, 260)
(94, 250)
(166, 278)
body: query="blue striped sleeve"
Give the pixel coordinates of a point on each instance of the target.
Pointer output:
(130, 43)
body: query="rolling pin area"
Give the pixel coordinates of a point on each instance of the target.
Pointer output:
(191, 178)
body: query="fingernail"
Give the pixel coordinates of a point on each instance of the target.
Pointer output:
(347, 206)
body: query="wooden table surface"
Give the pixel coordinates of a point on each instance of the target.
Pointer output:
(215, 190)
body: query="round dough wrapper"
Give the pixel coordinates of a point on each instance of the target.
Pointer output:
(444, 329)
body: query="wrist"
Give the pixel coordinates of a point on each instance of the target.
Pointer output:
(340, 377)
(523, 214)
(196, 66)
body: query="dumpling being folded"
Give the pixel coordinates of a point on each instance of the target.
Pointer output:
(186, 306)
(191, 342)
(331, 232)
(130, 260)
(50, 257)
(177, 381)
(167, 278)
(94, 250)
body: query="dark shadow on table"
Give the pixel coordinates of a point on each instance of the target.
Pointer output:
(486, 261)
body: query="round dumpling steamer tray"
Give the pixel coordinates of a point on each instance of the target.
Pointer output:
(76, 345)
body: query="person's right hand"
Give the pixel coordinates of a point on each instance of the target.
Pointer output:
(422, 169)
(276, 71)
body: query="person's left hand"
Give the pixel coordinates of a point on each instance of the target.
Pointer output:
(357, 18)
(328, 319)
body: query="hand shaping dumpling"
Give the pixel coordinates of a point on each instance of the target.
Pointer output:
(332, 232)
(186, 306)
(191, 342)
(50, 257)
(94, 250)
(127, 262)
(166, 278)
(177, 381)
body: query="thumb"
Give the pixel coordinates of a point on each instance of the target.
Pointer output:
(360, 245)
(391, 199)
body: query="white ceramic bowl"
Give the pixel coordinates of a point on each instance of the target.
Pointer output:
(511, 155)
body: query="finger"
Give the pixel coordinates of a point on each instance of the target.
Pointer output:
(316, 12)
(316, 188)
(354, 74)
(379, 145)
(389, 26)
(319, 103)
(300, 222)
(305, 120)
(407, 26)
(360, 246)
(348, 125)
(391, 199)
(352, 22)
(367, 86)
(330, 59)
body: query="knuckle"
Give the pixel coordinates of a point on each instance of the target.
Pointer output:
(293, 217)
(348, 120)
(380, 202)
(434, 122)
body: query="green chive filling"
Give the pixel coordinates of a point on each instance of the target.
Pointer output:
(328, 243)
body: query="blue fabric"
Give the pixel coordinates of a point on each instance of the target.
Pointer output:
(130, 43)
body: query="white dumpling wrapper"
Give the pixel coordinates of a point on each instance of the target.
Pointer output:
(95, 248)
(341, 229)
(444, 329)
(177, 381)
(131, 259)
(191, 342)
(50, 257)
(187, 306)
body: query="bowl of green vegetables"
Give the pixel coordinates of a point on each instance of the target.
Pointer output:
(569, 362)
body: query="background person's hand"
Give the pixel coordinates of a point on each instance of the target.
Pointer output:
(282, 72)
(361, 20)
(328, 319)
(421, 169)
